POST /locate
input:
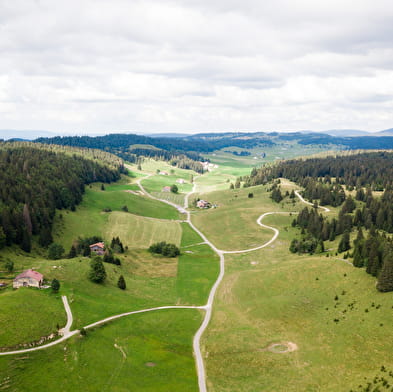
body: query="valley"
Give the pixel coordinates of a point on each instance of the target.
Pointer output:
(268, 320)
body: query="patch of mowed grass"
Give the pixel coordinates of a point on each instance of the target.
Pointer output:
(116, 197)
(140, 232)
(232, 225)
(273, 296)
(89, 218)
(142, 352)
(29, 314)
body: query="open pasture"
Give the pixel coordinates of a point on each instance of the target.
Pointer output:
(327, 311)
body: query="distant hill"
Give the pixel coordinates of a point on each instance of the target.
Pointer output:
(346, 132)
(386, 132)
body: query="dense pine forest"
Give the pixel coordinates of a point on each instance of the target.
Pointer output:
(374, 169)
(36, 181)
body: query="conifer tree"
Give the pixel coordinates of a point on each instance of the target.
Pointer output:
(97, 273)
(121, 283)
(385, 279)
(344, 243)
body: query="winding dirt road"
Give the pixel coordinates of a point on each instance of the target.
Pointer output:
(207, 308)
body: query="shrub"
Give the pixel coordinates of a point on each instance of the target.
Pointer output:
(168, 250)
(97, 273)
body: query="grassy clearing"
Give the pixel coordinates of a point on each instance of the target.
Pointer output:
(232, 226)
(30, 314)
(140, 232)
(89, 218)
(148, 352)
(272, 296)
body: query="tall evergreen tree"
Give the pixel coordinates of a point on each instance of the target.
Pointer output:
(385, 279)
(344, 244)
(121, 283)
(97, 273)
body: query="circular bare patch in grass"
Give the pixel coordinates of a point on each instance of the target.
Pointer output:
(150, 364)
(282, 348)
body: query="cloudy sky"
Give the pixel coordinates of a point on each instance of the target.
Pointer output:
(83, 66)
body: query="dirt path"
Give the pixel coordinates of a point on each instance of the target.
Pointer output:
(208, 307)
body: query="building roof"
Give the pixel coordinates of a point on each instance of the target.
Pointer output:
(166, 188)
(30, 274)
(98, 244)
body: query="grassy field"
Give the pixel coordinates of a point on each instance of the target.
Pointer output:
(149, 352)
(139, 232)
(232, 225)
(28, 314)
(272, 296)
(89, 218)
(151, 280)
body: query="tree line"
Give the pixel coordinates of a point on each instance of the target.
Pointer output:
(366, 169)
(34, 183)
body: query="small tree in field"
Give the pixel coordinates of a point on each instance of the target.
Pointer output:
(121, 283)
(174, 188)
(9, 266)
(97, 273)
(55, 285)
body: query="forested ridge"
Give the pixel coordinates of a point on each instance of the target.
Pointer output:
(374, 169)
(324, 180)
(35, 182)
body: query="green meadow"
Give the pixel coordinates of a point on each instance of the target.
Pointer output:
(331, 311)
(91, 219)
(328, 312)
(142, 352)
(232, 225)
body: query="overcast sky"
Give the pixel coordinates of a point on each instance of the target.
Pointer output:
(82, 66)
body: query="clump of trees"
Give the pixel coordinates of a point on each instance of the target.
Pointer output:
(117, 245)
(55, 251)
(165, 249)
(174, 188)
(109, 258)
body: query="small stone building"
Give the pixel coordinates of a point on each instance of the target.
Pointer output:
(29, 278)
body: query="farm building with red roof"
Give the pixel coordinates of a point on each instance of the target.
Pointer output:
(29, 278)
(98, 248)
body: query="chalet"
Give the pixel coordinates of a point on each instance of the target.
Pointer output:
(29, 278)
(164, 173)
(203, 204)
(98, 248)
(166, 189)
(180, 181)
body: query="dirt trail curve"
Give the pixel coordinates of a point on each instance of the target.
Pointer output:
(311, 204)
(208, 307)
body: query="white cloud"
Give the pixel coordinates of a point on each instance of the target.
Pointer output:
(195, 65)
